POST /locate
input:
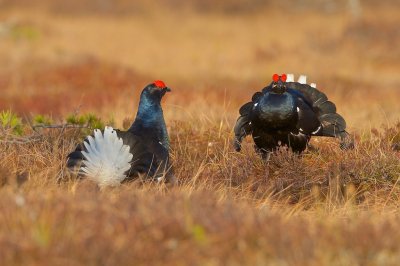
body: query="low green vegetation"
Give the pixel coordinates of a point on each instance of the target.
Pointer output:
(11, 122)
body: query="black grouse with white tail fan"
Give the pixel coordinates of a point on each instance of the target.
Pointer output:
(289, 113)
(111, 156)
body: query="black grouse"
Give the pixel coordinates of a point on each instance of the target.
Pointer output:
(288, 113)
(111, 156)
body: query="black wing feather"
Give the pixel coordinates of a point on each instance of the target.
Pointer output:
(325, 109)
(243, 125)
(308, 122)
(333, 124)
(246, 109)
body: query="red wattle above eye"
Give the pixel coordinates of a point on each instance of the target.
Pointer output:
(283, 77)
(275, 77)
(159, 84)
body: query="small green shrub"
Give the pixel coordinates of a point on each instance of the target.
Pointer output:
(9, 120)
(90, 120)
(42, 120)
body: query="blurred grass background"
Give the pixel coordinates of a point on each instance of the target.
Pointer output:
(65, 54)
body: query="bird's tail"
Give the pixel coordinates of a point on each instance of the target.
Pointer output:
(333, 124)
(106, 159)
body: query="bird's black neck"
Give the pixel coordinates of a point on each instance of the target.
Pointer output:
(150, 121)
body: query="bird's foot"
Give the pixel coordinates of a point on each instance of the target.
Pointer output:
(265, 154)
(346, 141)
(347, 144)
(396, 146)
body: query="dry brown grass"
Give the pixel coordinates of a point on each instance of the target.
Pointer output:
(326, 207)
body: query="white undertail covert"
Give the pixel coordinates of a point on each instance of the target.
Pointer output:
(302, 79)
(290, 78)
(107, 159)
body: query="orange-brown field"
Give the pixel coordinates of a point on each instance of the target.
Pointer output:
(327, 207)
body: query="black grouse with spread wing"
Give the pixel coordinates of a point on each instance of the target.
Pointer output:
(288, 113)
(111, 156)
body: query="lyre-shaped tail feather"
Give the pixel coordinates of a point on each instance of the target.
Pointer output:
(333, 124)
(302, 79)
(107, 159)
(243, 125)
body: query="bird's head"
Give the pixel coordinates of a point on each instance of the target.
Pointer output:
(278, 84)
(155, 91)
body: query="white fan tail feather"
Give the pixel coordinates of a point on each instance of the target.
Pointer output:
(290, 78)
(107, 159)
(302, 79)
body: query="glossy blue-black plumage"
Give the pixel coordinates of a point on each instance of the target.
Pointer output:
(150, 118)
(287, 113)
(147, 138)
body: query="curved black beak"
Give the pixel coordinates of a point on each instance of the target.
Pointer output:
(167, 89)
